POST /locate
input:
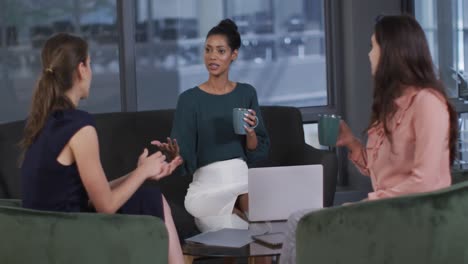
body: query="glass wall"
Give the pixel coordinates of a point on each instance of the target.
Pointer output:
(24, 27)
(446, 25)
(282, 53)
(427, 16)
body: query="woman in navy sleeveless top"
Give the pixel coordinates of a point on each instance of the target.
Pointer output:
(61, 169)
(46, 183)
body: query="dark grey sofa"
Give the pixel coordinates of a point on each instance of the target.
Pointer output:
(123, 136)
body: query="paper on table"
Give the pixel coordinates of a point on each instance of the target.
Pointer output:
(227, 237)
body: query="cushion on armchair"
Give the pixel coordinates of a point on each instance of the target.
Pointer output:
(30, 236)
(424, 228)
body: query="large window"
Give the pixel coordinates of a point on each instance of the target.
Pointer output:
(282, 53)
(446, 25)
(24, 27)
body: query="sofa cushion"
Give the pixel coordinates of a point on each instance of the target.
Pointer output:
(30, 236)
(423, 228)
(10, 136)
(284, 126)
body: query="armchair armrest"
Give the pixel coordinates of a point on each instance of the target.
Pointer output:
(423, 228)
(30, 236)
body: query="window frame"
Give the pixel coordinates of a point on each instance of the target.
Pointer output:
(460, 105)
(333, 65)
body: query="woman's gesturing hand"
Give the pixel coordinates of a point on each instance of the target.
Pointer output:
(170, 148)
(167, 170)
(345, 136)
(158, 167)
(152, 165)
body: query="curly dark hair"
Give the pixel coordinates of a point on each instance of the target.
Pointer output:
(227, 28)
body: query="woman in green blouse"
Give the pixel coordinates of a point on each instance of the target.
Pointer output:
(203, 127)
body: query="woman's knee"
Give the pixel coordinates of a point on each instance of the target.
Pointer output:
(194, 207)
(294, 219)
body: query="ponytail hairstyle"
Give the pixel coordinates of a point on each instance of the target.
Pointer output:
(405, 60)
(227, 28)
(61, 55)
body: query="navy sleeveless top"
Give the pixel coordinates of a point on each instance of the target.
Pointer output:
(47, 184)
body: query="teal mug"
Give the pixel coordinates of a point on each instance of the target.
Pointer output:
(238, 115)
(328, 129)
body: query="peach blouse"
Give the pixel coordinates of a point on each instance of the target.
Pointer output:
(417, 159)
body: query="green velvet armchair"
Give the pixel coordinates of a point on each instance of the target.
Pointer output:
(426, 228)
(30, 236)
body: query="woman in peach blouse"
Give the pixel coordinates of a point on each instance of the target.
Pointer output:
(413, 128)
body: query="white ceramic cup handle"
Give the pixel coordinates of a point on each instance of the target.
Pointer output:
(256, 122)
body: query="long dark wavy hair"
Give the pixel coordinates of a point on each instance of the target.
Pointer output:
(61, 55)
(405, 61)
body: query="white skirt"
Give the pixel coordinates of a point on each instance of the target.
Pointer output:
(213, 192)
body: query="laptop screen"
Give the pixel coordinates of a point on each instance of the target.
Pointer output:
(277, 192)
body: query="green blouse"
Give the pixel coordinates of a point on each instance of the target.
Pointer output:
(204, 130)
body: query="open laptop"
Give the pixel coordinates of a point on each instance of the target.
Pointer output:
(277, 192)
(274, 194)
